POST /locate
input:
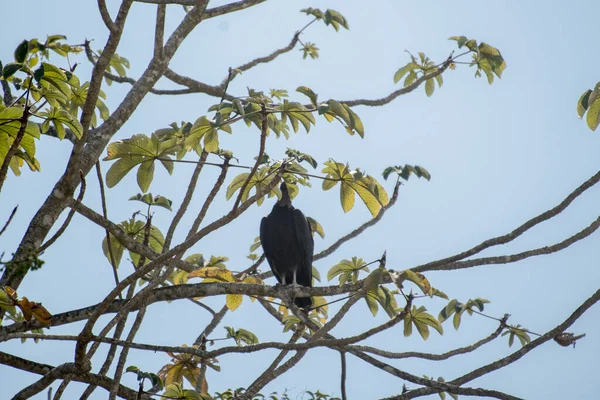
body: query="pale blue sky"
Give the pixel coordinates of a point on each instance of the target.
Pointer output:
(498, 156)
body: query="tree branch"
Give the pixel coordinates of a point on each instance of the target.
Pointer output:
(518, 231)
(42, 369)
(515, 257)
(186, 201)
(486, 369)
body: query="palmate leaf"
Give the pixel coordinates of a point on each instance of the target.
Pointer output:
(348, 270)
(309, 93)
(406, 171)
(241, 336)
(136, 230)
(159, 201)
(516, 332)
(422, 320)
(260, 180)
(59, 119)
(333, 109)
(139, 151)
(207, 130)
(183, 365)
(57, 78)
(10, 124)
(368, 189)
(296, 113)
(330, 17)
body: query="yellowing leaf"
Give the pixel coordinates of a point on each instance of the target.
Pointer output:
(30, 308)
(346, 197)
(233, 301)
(215, 273)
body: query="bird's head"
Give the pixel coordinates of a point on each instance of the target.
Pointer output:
(285, 196)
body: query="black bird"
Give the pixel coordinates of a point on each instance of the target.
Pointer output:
(288, 244)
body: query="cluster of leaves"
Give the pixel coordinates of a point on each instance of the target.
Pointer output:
(142, 151)
(486, 58)
(589, 103)
(49, 94)
(241, 336)
(519, 333)
(354, 182)
(456, 308)
(216, 272)
(137, 230)
(185, 365)
(417, 68)
(9, 302)
(405, 171)
(330, 18)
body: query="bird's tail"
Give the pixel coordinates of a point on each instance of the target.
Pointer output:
(303, 302)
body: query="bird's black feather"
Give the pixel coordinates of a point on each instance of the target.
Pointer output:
(288, 244)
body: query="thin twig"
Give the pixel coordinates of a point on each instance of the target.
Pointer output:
(112, 260)
(10, 217)
(65, 224)
(343, 374)
(261, 152)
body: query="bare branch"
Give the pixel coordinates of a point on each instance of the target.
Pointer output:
(111, 351)
(65, 224)
(7, 95)
(108, 22)
(10, 217)
(550, 335)
(112, 259)
(405, 90)
(211, 12)
(186, 201)
(124, 353)
(159, 30)
(264, 127)
(209, 199)
(271, 372)
(343, 375)
(429, 356)
(518, 231)
(516, 257)
(42, 369)
(48, 378)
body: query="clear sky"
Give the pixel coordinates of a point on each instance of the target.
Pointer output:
(498, 155)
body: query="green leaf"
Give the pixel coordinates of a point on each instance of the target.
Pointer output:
(346, 197)
(315, 227)
(403, 71)
(335, 19)
(143, 151)
(10, 69)
(460, 40)
(593, 114)
(309, 93)
(429, 87)
(21, 51)
(582, 103)
(56, 78)
(371, 299)
(61, 118)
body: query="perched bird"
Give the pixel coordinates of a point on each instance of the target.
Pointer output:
(288, 244)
